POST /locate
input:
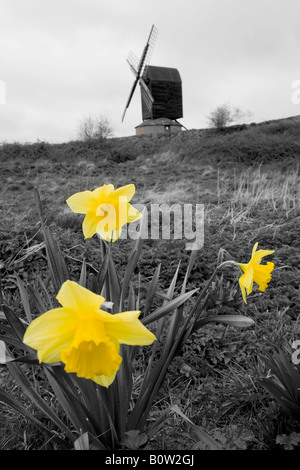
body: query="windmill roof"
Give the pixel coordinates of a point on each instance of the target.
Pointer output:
(167, 74)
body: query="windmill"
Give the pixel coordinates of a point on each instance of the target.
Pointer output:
(160, 87)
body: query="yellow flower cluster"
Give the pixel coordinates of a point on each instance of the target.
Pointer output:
(80, 334)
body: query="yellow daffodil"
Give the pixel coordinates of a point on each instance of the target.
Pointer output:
(84, 337)
(107, 210)
(255, 272)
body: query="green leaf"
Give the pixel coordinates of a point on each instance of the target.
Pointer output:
(4, 358)
(100, 280)
(132, 262)
(135, 439)
(38, 204)
(285, 387)
(291, 407)
(160, 326)
(234, 320)
(30, 358)
(131, 299)
(33, 395)
(114, 283)
(128, 277)
(88, 442)
(36, 299)
(175, 319)
(13, 403)
(192, 261)
(202, 435)
(168, 307)
(76, 411)
(153, 379)
(94, 403)
(286, 373)
(15, 323)
(46, 292)
(82, 443)
(83, 273)
(8, 340)
(56, 262)
(92, 283)
(24, 298)
(151, 291)
(277, 392)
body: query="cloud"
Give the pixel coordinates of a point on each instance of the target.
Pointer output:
(61, 61)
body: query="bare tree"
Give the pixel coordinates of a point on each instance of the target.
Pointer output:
(220, 117)
(95, 128)
(223, 115)
(240, 117)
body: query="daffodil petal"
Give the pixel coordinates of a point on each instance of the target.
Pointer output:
(108, 235)
(128, 329)
(133, 214)
(108, 216)
(101, 194)
(82, 202)
(243, 290)
(89, 225)
(247, 277)
(246, 281)
(260, 254)
(51, 331)
(78, 298)
(254, 249)
(243, 266)
(103, 380)
(126, 192)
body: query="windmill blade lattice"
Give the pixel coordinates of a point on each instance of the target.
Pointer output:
(133, 62)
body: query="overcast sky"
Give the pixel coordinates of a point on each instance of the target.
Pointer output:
(63, 60)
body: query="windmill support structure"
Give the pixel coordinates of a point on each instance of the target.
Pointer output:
(158, 126)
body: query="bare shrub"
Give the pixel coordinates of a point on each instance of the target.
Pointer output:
(95, 128)
(224, 115)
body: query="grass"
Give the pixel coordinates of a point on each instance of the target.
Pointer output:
(248, 181)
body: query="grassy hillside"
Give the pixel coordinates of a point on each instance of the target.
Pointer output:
(248, 179)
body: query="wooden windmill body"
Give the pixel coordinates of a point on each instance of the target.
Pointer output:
(161, 93)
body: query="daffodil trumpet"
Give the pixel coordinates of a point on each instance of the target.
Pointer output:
(255, 272)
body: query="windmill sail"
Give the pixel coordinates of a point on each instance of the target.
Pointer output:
(147, 97)
(130, 96)
(133, 62)
(138, 67)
